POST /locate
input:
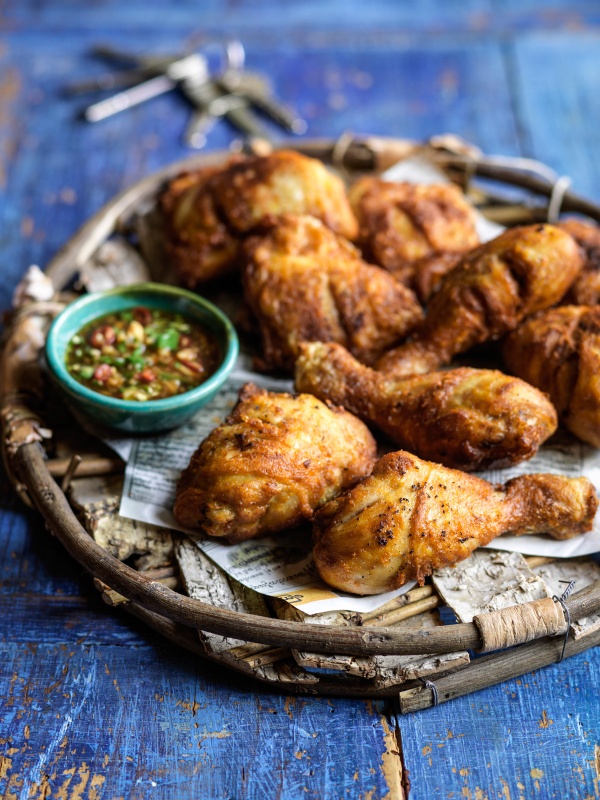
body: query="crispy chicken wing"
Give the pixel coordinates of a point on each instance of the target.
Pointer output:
(497, 285)
(198, 243)
(208, 212)
(416, 231)
(559, 351)
(411, 517)
(271, 464)
(466, 418)
(257, 190)
(304, 283)
(586, 289)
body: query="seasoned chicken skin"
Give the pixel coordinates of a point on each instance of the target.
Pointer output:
(559, 351)
(257, 190)
(271, 464)
(466, 418)
(586, 289)
(416, 231)
(198, 243)
(304, 283)
(411, 517)
(492, 290)
(207, 213)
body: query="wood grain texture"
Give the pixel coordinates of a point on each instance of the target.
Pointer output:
(515, 76)
(196, 735)
(535, 736)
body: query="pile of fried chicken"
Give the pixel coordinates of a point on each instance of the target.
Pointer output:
(367, 296)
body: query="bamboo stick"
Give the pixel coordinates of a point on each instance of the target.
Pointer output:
(89, 465)
(538, 561)
(270, 656)
(249, 649)
(112, 598)
(418, 593)
(407, 611)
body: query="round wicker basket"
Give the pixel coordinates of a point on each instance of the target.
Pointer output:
(179, 617)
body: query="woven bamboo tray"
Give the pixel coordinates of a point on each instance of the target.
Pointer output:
(400, 649)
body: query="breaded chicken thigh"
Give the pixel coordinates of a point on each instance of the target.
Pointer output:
(418, 232)
(466, 418)
(254, 191)
(304, 283)
(586, 289)
(559, 351)
(492, 290)
(199, 244)
(270, 464)
(207, 213)
(411, 517)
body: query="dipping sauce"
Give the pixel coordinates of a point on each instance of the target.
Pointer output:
(142, 354)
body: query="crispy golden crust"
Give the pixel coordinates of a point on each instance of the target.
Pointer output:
(411, 517)
(466, 418)
(416, 231)
(304, 283)
(255, 191)
(207, 213)
(559, 351)
(586, 289)
(492, 290)
(198, 243)
(270, 464)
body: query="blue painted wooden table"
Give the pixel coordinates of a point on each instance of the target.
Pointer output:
(92, 705)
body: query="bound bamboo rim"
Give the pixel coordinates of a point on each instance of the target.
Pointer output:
(178, 617)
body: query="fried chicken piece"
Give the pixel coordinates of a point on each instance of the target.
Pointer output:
(255, 191)
(198, 243)
(207, 213)
(493, 289)
(559, 351)
(466, 418)
(271, 464)
(418, 232)
(304, 283)
(586, 289)
(411, 517)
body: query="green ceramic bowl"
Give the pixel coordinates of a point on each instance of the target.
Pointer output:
(129, 415)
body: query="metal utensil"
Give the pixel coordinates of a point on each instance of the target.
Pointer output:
(175, 72)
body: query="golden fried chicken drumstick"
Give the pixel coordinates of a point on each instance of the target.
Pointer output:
(416, 231)
(271, 464)
(492, 290)
(208, 212)
(559, 351)
(411, 517)
(304, 283)
(465, 418)
(586, 289)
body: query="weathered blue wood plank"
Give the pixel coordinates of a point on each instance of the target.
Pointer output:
(556, 88)
(533, 737)
(31, 560)
(69, 619)
(381, 18)
(149, 722)
(248, 16)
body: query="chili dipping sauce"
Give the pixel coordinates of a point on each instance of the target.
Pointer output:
(142, 354)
